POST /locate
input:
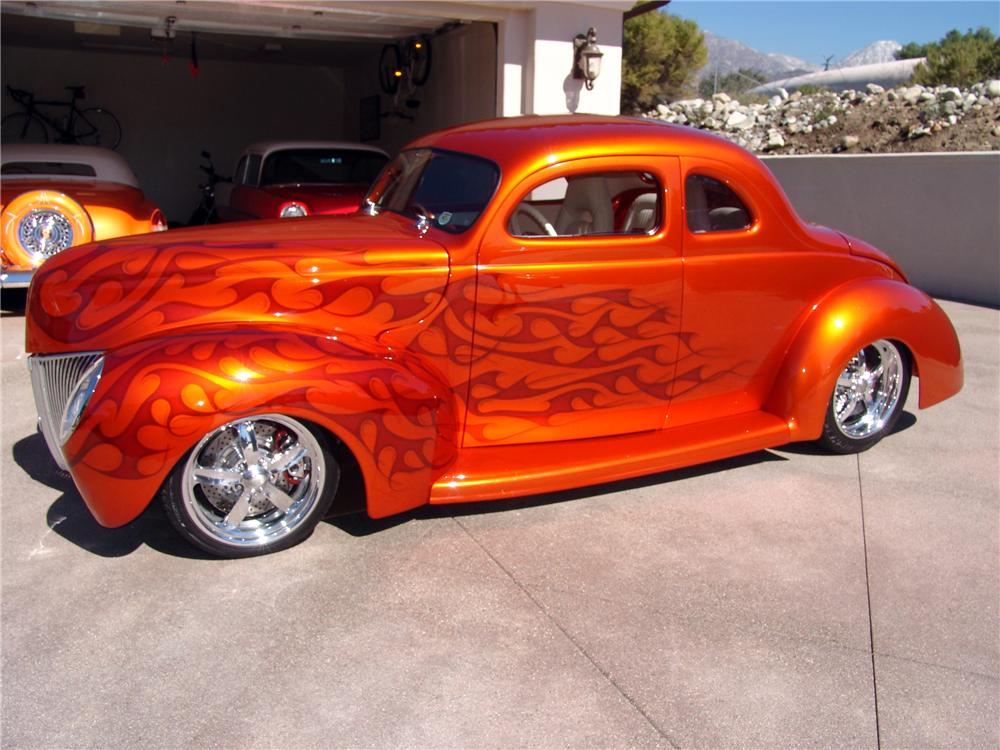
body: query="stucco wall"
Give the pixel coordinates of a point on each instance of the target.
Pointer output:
(938, 215)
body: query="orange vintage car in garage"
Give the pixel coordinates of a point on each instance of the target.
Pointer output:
(56, 196)
(524, 305)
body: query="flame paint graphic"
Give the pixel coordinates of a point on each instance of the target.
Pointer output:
(375, 344)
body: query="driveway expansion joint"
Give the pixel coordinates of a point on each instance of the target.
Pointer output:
(576, 644)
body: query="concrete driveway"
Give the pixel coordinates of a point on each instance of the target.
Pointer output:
(785, 598)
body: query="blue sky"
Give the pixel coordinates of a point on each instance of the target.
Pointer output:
(814, 29)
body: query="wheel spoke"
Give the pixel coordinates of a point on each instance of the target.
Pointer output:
(290, 457)
(849, 406)
(248, 442)
(239, 510)
(281, 500)
(216, 477)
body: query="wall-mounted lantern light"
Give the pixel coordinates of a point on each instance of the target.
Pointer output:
(587, 57)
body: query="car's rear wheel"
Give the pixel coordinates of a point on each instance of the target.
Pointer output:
(252, 486)
(868, 398)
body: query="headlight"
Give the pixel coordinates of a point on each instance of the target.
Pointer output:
(292, 210)
(81, 394)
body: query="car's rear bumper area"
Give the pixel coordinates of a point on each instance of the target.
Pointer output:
(11, 278)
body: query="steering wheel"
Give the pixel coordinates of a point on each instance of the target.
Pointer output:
(537, 216)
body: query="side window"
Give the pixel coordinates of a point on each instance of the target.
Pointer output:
(713, 207)
(239, 176)
(252, 176)
(596, 203)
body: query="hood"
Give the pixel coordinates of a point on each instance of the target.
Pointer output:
(321, 199)
(355, 274)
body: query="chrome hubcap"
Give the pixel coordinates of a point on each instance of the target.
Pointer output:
(253, 481)
(868, 390)
(44, 232)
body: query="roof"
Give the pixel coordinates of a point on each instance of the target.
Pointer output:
(266, 147)
(108, 165)
(525, 144)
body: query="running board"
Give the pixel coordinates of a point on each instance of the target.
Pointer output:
(515, 470)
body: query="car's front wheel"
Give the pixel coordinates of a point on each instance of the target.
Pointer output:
(868, 398)
(252, 486)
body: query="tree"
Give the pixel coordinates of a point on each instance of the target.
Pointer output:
(734, 83)
(660, 56)
(957, 59)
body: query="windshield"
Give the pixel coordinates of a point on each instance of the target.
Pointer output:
(449, 189)
(321, 166)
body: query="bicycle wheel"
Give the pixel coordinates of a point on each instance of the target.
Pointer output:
(20, 127)
(419, 50)
(97, 127)
(389, 70)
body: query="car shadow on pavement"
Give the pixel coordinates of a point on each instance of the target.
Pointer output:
(12, 303)
(359, 524)
(69, 517)
(906, 421)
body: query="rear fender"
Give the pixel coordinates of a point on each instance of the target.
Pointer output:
(156, 399)
(848, 319)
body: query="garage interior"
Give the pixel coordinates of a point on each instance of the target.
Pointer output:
(183, 77)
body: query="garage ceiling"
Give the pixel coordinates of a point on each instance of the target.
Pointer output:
(285, 32)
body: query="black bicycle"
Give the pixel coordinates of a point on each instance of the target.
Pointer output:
(93, 126)
(402, 69)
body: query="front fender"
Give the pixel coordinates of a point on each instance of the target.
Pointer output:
(849, 318)
(157, 398)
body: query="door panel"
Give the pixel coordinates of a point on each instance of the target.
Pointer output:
(576, 336)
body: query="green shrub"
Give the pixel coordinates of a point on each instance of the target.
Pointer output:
(734, 83)
(659, 58)
(957, 59)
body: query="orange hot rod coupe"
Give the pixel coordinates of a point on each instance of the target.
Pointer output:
(56, 196)
(523, 305)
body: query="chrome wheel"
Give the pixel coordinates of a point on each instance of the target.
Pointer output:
(868, 391)
(253, 483)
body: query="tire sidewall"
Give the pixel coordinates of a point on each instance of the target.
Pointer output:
(835, 440)
(172, 497)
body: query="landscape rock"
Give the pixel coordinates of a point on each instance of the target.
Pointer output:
(869, 120)
(738, 121)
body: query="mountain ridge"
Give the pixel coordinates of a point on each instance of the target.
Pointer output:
(727, 55)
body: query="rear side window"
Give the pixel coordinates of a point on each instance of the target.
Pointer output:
(590, 203)
(60, 168)
(713, 207)
(252, 176)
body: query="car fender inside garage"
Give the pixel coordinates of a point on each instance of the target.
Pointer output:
(186, 77)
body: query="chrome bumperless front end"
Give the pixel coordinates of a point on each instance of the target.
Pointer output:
(62, 385)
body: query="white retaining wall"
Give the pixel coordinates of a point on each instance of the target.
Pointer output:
(937, 215)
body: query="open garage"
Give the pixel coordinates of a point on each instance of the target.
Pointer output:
(183, 77)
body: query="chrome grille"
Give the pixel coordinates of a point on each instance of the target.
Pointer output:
(53, 379)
